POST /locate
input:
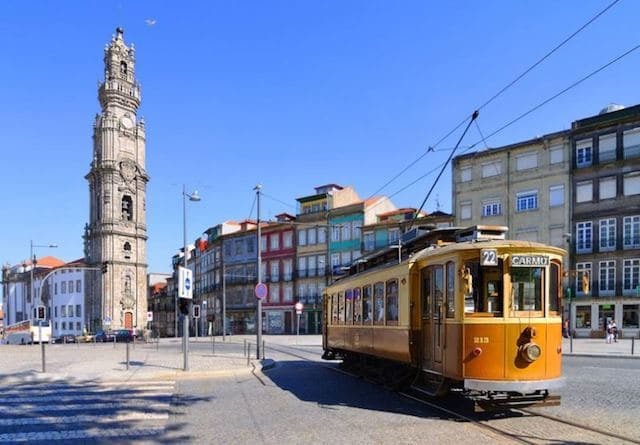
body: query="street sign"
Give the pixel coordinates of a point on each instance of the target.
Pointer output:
(149, 316)
(261, 291)
(106, 321)
(185, 283)
(299, 307)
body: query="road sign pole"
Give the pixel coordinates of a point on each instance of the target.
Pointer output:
(41, 346)
(185, 341)
(259, 308)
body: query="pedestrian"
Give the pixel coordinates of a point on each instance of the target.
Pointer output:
(609, 331)
(614, 331)
(565, 329)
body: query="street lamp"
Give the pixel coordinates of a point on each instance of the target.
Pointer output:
(195, 198)
(185, 320)
(33, 263)
(204, 310)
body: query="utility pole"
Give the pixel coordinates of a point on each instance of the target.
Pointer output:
(259, 308)
(224, 302)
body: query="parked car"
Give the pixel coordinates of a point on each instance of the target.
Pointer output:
(102, 336)
(65, 338)
(86, 338)
(124, 335)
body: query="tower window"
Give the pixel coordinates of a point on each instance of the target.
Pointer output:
(123, 68)
(127, 208)
(127, 250)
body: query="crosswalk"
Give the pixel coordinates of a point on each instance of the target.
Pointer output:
(91, 411)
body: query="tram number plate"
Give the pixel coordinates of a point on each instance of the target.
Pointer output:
(481, 340)
(488, 257)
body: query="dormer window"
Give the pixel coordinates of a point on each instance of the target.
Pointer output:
(127, 250)
(123, 68)
(127, 208)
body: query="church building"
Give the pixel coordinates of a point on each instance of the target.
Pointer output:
(116, 236)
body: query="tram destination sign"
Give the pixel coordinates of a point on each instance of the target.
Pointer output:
(529, 260)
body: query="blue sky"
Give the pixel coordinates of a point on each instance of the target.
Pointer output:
(289, 94)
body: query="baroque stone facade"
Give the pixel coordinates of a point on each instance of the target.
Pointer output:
(116, 236)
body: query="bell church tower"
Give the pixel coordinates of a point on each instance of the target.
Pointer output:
(116, 235)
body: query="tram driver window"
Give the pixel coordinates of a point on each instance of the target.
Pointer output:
(482, 288)
(526, 288)
(367, 307)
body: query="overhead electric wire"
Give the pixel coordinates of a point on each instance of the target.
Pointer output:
(499, 93)
(555, 96)
(252, 206)
(474, 116)
(278, 200)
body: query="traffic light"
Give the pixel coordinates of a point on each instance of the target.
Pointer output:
(183, 305)
(41, 315)
(196, 311)
(104, 267)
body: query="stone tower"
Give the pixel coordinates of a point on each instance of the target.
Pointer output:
(116, 236)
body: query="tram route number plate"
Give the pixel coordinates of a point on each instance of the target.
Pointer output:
(488, 257)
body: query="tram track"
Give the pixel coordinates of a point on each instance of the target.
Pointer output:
(514, 426)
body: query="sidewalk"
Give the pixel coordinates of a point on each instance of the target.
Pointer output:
(159, 361)
(598, 347)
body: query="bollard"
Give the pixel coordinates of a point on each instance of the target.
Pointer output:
(633, 344)
(571, 342)
(114, 342)
(244, 349)
(213, 344)
(127, 356)
(263, 351)
(248, 353)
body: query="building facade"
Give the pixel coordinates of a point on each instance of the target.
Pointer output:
(278, 251)
(116, 235)
(605, 243)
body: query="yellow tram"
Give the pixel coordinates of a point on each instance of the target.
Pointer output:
(469, 310)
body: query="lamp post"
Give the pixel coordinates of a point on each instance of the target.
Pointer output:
(33, 263)
(185, 321)
(257, 188)
(204, 310)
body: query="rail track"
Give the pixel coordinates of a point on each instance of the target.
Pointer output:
(515, 425)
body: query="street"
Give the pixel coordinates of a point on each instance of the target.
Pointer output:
(89, 395)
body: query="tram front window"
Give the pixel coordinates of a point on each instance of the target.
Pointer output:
(482, 288)
(526, 288)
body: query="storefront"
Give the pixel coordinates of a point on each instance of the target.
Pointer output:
(591, 319)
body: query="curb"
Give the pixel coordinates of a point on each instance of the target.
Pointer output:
(268, 364)
(596, 355)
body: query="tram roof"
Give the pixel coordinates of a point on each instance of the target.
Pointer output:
(483, 244)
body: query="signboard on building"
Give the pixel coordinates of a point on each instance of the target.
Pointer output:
(149, 316)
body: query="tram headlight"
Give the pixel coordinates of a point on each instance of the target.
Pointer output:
(530, 352)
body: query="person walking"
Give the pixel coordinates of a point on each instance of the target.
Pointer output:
(609, 331)
(614, 331)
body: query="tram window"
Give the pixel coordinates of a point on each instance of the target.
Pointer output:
(378, 303)
(426, 291)
(367, 306)
(482, 288)
(341, 308)
(392, 302)
(554, 288)
(438, 291)
(526, 288)
(451, 296)
(349, 306)
(334, 308)
(357, 306)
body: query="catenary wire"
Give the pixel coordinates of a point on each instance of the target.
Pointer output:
(496, 95)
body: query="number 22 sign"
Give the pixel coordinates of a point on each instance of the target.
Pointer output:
(488, 257)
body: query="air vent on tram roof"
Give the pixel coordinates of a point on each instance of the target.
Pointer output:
(481, 233)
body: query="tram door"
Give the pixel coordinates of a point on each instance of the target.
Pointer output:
(432, 317)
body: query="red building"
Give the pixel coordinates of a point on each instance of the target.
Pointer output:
(278, 258)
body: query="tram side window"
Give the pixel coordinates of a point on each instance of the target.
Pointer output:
(451, 296)
(469, 279)
(357, 306)
(392, 302)
(378, 303)
(554, 288)
(349, 305)
(334, 309)
(367, 306)
(526, 288)
(341, 308)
